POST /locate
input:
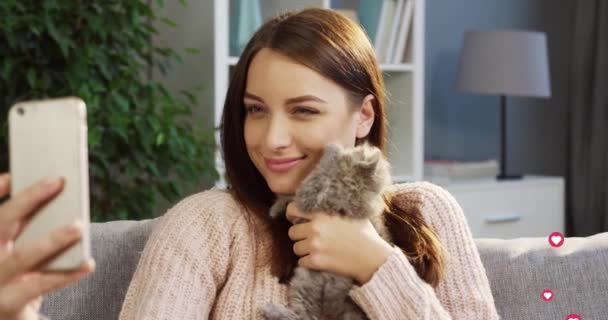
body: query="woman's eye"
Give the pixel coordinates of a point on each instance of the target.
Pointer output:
(305, 111)
(253, 109)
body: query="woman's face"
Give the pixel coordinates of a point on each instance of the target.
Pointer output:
(292, 112)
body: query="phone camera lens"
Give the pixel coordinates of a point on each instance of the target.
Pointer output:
(20, 111)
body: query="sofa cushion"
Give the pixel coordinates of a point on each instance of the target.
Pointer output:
(520, 269)
(116, 247)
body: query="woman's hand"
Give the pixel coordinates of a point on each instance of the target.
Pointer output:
(336, 244)
(22, 283)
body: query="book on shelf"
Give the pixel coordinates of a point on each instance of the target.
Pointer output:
(384, 23)
(404, 33)
(245, 19)
(447, 170)
(393, 30)
(369, 14)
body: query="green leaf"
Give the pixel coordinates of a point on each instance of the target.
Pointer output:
(83, 91)
(191, 97)
(63, 43)
(134, 17)
(64, 47)
(178, 58)
(123, 214)
(160, 139)
(94, 137)
(192, 50)
(104, 69)
(154, 122)
(31, 78)
(130, 170)
(169, 22)
(96, 169)
(118, 124)
(35, 30)
(7, 68)
(152, 167)
(121, 101)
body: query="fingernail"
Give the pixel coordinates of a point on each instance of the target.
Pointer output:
(50, 182)
(75, 228)
(87, 267)
(92, 264)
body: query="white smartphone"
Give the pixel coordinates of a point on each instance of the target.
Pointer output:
(49, 138)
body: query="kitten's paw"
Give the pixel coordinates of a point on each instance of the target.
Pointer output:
(271, 311)
(279, 207)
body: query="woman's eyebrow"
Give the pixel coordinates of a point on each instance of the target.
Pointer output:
(290, 100)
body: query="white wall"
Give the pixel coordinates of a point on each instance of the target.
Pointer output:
(194, 30)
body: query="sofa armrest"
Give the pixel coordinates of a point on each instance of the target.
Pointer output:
(520, 269)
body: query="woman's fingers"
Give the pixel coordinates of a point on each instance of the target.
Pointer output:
(26, 257)
(291, 212)
(14, 211)
(29, 199)
(299, 231)
(301, 248)
(17, 295)
(294, 215)
(5, 184)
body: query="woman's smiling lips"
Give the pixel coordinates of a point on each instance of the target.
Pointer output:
(283, 164)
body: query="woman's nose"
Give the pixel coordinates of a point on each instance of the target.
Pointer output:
(278, 134)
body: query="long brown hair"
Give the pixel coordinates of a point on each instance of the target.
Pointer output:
(337, 48)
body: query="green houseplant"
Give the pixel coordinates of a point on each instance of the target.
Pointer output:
(143, 148)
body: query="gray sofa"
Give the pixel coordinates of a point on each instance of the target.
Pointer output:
(518, 269)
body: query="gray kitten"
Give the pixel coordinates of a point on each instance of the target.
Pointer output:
(350, 183)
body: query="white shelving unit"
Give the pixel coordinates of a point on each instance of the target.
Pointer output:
(404, 84)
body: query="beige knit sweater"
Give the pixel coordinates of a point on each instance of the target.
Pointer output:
(199, 264)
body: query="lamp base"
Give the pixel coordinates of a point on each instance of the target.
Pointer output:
(503, 176)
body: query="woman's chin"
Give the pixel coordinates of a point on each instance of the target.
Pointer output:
(284, 192)
(282, 187)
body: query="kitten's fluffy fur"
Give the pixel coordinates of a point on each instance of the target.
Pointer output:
(349, 183)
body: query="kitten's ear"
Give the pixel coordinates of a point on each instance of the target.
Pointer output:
(370, 158)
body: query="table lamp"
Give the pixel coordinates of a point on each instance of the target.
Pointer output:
(504, 63)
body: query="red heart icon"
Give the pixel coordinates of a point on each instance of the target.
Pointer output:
(556, 239)
(574, 316)
(547, 295)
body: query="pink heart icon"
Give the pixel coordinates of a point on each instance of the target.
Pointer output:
(574, 316)
(556, 239)
(547, 295)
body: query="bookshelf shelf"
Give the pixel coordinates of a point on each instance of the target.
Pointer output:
(407, 67)
(232, 61)
(404, 81)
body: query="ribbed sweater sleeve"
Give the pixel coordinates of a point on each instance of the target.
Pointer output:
(397, 292)
(184, 262)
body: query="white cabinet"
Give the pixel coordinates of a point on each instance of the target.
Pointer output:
(404, 83)
(531, 207)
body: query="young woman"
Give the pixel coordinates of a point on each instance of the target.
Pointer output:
(305, 79)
